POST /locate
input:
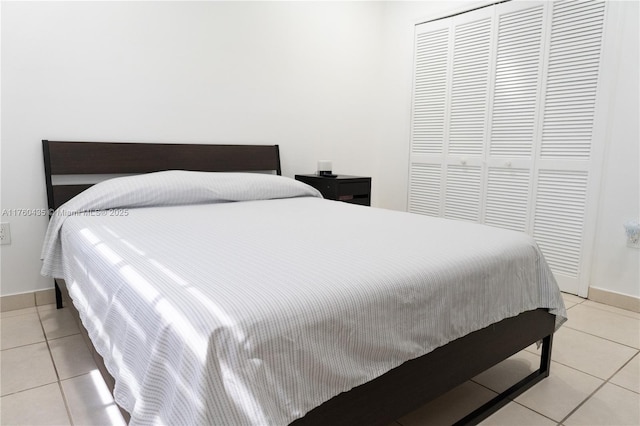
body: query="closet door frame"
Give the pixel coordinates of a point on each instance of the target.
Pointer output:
(605, 99)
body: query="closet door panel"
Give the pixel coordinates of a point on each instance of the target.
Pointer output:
(559, 221)
(572, 79)
(564, 162)
(470, 76)
(514, 114)
(430, 89)
(507, 201)
(462, 192)
(518, 73)
(425, 185)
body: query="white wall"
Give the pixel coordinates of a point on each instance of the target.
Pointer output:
(302, 75)
(324, 80)
(616, 267)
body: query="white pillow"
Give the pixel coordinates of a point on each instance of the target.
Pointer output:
(166, 189)
(180, 187)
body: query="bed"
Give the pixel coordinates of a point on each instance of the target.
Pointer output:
(259, 302)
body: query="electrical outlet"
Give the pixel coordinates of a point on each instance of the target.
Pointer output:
(5, 233)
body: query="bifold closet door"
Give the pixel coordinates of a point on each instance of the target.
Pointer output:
(450, 111)
(566, 158)
(503, 113)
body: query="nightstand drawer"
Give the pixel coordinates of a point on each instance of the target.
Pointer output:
(363, 199)
(350, 189)
(354, 188)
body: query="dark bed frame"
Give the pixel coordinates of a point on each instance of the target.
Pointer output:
(378, 402)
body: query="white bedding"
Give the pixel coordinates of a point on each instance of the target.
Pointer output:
(255, 312)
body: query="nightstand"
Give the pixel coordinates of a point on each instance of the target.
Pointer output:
(350, 189)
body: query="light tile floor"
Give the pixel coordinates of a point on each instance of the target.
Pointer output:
(48, 376)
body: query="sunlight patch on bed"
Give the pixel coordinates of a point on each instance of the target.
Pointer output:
(183, 328)
(80, 264)
(98, 288)
(108, 254)
(124, 373)
(92, 322)
(132, 247)
(241, 394)
(142, 286)
(96, 329)
(133, 326)
(101, 247)
(90, 236)
(123, 241)
(100, 338)
(168, 272)
(220, 314)
(201, 298)
(110, 231)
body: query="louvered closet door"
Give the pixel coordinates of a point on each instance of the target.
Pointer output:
(429, 117)
(451, 89)
(503, 115)
(565, 149)
(514, 112)
(471, 42)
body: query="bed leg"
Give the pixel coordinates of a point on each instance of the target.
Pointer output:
(507, 396)
(545, 357)
(58, 295)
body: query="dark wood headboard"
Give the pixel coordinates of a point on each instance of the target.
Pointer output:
(95, 158)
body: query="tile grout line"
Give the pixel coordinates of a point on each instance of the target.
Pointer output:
(17, 315)
(618, 314)
(55, 368)
(600, 337)
(600, 387)
(600, 378)
(28, 389)
(610, 310)
(510, 401)
(623, 388)
(620, 369)
(66, 404)
(531, 409)
(22, 346)
(30, 344)
(514, 401)
(584, 401)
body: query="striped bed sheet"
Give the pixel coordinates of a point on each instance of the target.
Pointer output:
(257, 311)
